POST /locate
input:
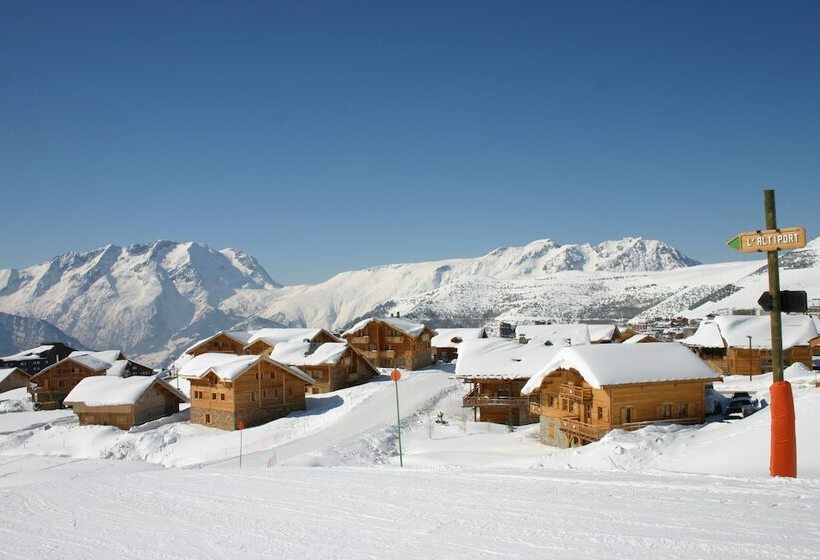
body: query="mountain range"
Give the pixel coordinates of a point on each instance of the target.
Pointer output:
(152, 300)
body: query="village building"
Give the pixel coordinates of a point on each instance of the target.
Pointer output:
(392, 342)
(263, 341)
(445, 344)
(35, 359)
(334, 365)
(123, 402)
(554, 334)
(496, 369)
(229, 391)
(586, 391)
(603, 333)
(742, 344)
(49, 387)
(226, 342)
(640, 338)
(13, 378)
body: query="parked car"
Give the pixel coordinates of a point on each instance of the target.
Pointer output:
(742, 403)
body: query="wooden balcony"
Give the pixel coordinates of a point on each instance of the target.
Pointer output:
(473, 399)
(388, 353)
(394, 339)
(594, 432)
(575, 392)
(360, 340)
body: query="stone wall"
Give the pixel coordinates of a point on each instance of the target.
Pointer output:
(549, 432)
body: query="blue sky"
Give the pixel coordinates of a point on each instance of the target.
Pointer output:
(323, 137)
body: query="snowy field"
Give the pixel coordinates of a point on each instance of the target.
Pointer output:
(325, 483)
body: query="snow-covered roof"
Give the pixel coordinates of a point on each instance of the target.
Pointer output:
(634, 339)
(242, 337)
(601, 333)
(274, 336)
(106, 390)
(501, 358)
(444, 338)
(6, 372)
(558, 334)
(618, 364)
(735, 330)
(230, 366)
(299, 354)
(109, 356)
(412, 328)
(30, 354)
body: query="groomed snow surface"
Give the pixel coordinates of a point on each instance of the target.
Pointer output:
(325, 483)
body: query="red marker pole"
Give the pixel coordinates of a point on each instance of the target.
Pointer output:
(395, 375)
(240, 426)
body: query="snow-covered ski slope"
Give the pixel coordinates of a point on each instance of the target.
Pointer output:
(325, 483)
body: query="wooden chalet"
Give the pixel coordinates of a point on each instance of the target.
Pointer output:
(640, 338)
(49, 387)
(586, 391)
(604, 333)
(123, 402)
(225, 342)
(392, 342)
(36, 359)
(13, 378)
(334, 365)
(263, 341)
(742, 344)
(496, 369)
(227, 389)
(445, 344)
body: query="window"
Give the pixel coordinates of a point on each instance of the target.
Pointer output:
(213, 396)
(683, 410)
(207, 418)
(222, 396)
(253, 397)
(264, 394)
(666, 410)
(272, 375)
(600, 413)
(550, 401)
(61, 383)
(276, 393)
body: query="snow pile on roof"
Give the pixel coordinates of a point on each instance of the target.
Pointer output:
(109, 356)
(501, 358)
(444, 338)
(274, 336)
(557, 334)
(412, 328)
(6, 372)
(230, 366)
(299, 353)
(30, 354)
(242, 337)
(618, 364)
(634, 339)
(601, 333)
(736, 330)
(106, 390)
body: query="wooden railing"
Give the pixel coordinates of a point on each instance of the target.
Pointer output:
(474, 399)
(594, 432)
(393, 339)
(575, 392)
(360, 340)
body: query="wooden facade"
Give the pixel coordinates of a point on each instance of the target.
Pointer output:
(13, 378)
(50, 387)
(351, 369)
(158, 401)
(263, 392)
(750, 361)
(386, 346)
(573, 413)
(499, 400)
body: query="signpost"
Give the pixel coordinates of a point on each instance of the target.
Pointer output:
(769, 239)
(395, 375)
(783, 452)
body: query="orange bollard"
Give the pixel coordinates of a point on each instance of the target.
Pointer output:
(783, 460)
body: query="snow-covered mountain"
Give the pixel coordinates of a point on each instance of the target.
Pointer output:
(20, 333)
(146, 299)
(153, 300)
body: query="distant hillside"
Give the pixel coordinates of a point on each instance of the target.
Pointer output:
(20, 333)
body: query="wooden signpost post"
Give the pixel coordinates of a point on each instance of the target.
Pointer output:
(783, 457)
